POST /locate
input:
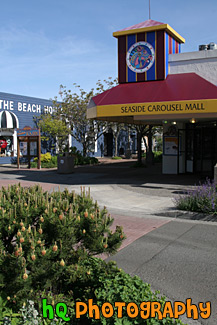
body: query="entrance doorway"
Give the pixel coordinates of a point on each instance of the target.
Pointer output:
(108, 144)
(200, 152)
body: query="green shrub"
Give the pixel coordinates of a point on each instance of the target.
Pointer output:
(157, 156)
(101, 282)
(47, 244)
(52, 163)
(43, 235)
(48, 161)
(110, 284)
(45, 158)
(116, 157)
(6, 314)
(80, 159)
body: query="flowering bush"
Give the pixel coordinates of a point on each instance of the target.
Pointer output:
(44, 239)
(201, 199)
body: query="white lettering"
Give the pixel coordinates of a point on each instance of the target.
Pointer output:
(20, 106)
(11, 105)
(6, 104)
(29, 109)
(25, 107)
(38, 108)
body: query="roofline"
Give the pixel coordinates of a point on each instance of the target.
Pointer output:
(166, 27)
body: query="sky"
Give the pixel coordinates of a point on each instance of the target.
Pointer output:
(48, 43)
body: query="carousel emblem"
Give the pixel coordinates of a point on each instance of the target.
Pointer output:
(140, 57)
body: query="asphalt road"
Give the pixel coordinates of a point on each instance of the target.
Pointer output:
(180, 260)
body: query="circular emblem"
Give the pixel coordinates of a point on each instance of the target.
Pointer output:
(140, 57)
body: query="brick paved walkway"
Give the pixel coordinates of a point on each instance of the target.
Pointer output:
(45, 186)
(135, 227)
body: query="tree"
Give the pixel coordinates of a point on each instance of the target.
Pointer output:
(141, 132)
(153, 133)
(159, 140)
(69, 117)
(144, 131)
(72, 112)
(116, 129)
(52, 126)
(115, 126)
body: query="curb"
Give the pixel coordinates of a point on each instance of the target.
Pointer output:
(188, 215)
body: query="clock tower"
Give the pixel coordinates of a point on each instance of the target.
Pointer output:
(143, 51)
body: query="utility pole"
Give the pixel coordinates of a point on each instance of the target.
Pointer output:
(149, 9)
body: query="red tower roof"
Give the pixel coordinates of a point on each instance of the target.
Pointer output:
(144, 24)
(148, 26)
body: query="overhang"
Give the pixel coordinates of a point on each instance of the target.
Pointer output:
(179, 97)
(8, 120)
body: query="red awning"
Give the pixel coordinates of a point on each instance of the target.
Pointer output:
(177, 87)
(180, 95)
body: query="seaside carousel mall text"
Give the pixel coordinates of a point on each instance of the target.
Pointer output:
(172, 107)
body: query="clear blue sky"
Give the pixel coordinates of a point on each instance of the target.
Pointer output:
(45, 43)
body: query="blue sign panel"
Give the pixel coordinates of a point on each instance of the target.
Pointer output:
(27, 133)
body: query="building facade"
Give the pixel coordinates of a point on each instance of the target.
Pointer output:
(17, 112)
(159, 85)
